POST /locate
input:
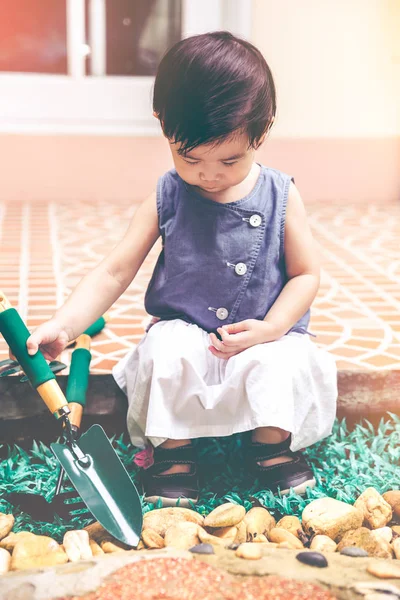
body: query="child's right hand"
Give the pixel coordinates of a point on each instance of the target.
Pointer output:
(50, 337)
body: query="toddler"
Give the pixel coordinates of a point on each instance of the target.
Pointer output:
(228, 348)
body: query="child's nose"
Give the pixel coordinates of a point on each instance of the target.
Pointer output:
(209, 176)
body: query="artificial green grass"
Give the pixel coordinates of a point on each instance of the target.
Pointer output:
(345, 464)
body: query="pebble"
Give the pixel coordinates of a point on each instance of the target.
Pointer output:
(208, 538)
(392, 497)
(323, 543)
(241, 535)
(385, 570)
(260, 539)
(314, 559)
(152, 539)
(6, 524)
(38, 551)
(225, 515)
(202, 549)
(330, 517)
(258, 522)
(353, 551)
(76, 545)
(162, 519)
(364, 538)
(290, 523)
(377, 512)
(249, 551)
(182, 536)
(5, 561)
(396, 547)
(278, 535)
(226, 533)
(383, 533)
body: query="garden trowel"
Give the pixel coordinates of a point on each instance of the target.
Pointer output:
(91, 463)
(63, 503)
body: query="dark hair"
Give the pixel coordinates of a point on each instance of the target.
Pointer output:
(211, 86)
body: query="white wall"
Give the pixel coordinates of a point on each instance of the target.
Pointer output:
(336, 65)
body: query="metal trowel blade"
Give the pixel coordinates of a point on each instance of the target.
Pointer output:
(104, 485)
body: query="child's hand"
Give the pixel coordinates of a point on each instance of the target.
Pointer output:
(240, 336)
(50, 337)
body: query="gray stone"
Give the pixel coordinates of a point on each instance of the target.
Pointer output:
(202, 549)
(354, 551)
(314, 559)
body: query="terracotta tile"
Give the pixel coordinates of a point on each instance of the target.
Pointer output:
(378, 333)
(105, 365)
(383, 361)
(124, 320)
(344, 365)
(106, 347)
(327, 327)
(391, 318)
(343, 351)
(362, 343)
(325, 340)
(393, 350)
(34, 322)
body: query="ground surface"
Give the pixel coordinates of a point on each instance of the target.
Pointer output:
(339, 580)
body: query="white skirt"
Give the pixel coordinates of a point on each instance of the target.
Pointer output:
(177, 389)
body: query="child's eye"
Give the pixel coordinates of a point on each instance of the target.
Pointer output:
(230, 164)
(191, 162)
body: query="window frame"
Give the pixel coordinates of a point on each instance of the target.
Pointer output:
(100, 104)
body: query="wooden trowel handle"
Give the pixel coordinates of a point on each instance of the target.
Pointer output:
(76, 414)
(54, 398)
(35, 367)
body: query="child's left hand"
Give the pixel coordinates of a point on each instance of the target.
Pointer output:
(237, 337)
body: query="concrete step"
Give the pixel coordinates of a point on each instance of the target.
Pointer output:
(24, 416)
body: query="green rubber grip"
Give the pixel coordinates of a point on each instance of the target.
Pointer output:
(78, 378)
(16, 333)
(95, 327)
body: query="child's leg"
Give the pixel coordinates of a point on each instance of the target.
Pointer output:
(288, 390)
(156, 382)
(274, 466)
(176, 468)
(271, 435)
(173, 474)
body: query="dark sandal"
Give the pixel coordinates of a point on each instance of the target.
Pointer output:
(175, 485)
(282, 476)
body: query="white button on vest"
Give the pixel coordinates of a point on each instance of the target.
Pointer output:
(222, 314)
(255, 220)
(240, 269)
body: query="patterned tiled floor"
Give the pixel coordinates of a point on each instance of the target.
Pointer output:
(46, 248)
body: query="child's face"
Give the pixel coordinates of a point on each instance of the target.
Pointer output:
(214, 169)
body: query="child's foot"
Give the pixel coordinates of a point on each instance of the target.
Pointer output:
(275, 467)
(173, 475)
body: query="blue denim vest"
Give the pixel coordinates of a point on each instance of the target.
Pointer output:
(220, 263)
